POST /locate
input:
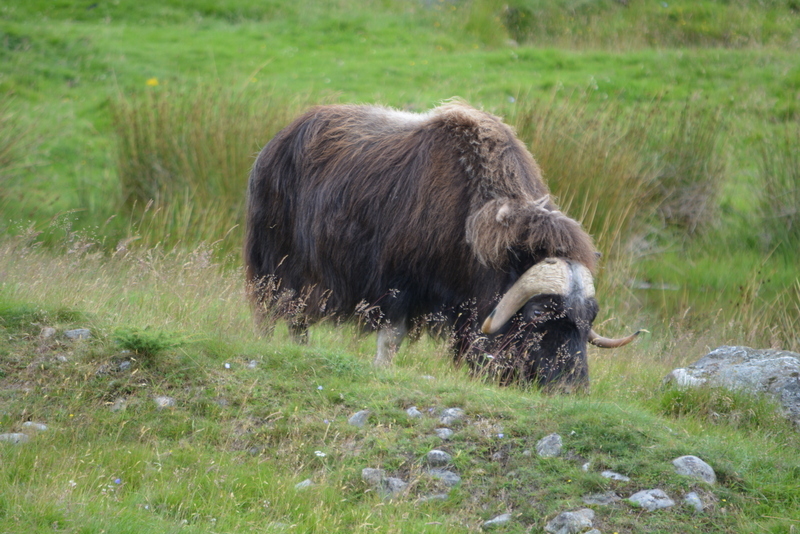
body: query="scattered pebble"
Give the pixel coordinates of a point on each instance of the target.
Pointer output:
(652, 500)
(451, 416)
(252, 364)
(372, 476)
(615, 476)
(47, 332)
(15, 437)
(693, 499)
(602, 499)
(497, 521)
(444, 433)
(549, 446)
(434, 497)
(35, 426)
(78, 333)
(570, 522)
(120, 404)
(693, 466)
(449, 478)
(437, 458)
(413, 412)
(165, 402)
(359, 419)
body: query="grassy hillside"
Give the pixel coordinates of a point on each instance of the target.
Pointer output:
(126, 134)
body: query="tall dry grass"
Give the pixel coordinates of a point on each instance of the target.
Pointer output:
(184, 155)
(779, 189)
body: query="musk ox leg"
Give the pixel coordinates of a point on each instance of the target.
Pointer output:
(389, 338)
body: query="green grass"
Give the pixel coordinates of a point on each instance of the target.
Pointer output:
(674, 144)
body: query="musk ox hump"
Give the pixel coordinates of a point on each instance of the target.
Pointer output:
(534, 226)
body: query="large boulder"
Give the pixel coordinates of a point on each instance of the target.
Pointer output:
(772, 372)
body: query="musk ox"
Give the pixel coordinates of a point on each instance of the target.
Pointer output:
(435, 219)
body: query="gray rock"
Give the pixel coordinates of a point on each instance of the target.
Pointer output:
(615, 476)
(652, 500)
(78, 333)
(771, 372)
(393, 486)
(165, 402)
(47, 332)
(451, 416)
(693, 499)
(120, 404)
(307, 483)
(570, 522)
(359, 419)
(437, 458)
(372, 476)
(693, 466)
(602, 499)
(414, 413)
(501, 519)
(444, 433)
(449, 478)
(549, 446)
(40, 427)
(123, 366)
(593, 531)
(499, 456)
(252, 364)
(387, 486)
(15, 437)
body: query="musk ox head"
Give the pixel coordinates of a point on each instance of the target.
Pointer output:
(540, 328)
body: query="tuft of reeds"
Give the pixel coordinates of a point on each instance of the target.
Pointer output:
(184, 155)
(608, 23)
(779, 189)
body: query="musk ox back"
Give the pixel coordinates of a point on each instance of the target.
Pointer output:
(419, 219)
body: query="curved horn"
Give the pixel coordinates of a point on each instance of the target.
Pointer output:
(551, 276)
(608, 343)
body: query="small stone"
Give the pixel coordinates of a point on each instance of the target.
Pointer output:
(78, 333)
(693, 466)
(373, 477)
(615, 476)
(120, 404)
(693, 499)
(593, 531)
(62, 358)
(499, 456)
(585, 467)
(393, 486)
(35, 426)
(444, 433)
(123, 366)
(451, 416)
(549, 446)
(414, 413)
(571, 522)
(165, 402)
(307, 483)
(428, 377)
(47, 332)
(602, 499)
(15, 437)
(252, 364)
(497, 521)
(652, 500)
(527, 452)
(437, 458)
(449, 478)
(359, 419)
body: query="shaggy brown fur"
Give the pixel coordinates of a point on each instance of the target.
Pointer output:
(414, 214)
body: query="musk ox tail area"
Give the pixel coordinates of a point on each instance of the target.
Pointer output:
(395, 218)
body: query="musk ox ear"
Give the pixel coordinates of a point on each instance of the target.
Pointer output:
(532, 225)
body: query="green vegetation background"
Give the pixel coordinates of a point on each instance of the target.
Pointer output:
(670, 129)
